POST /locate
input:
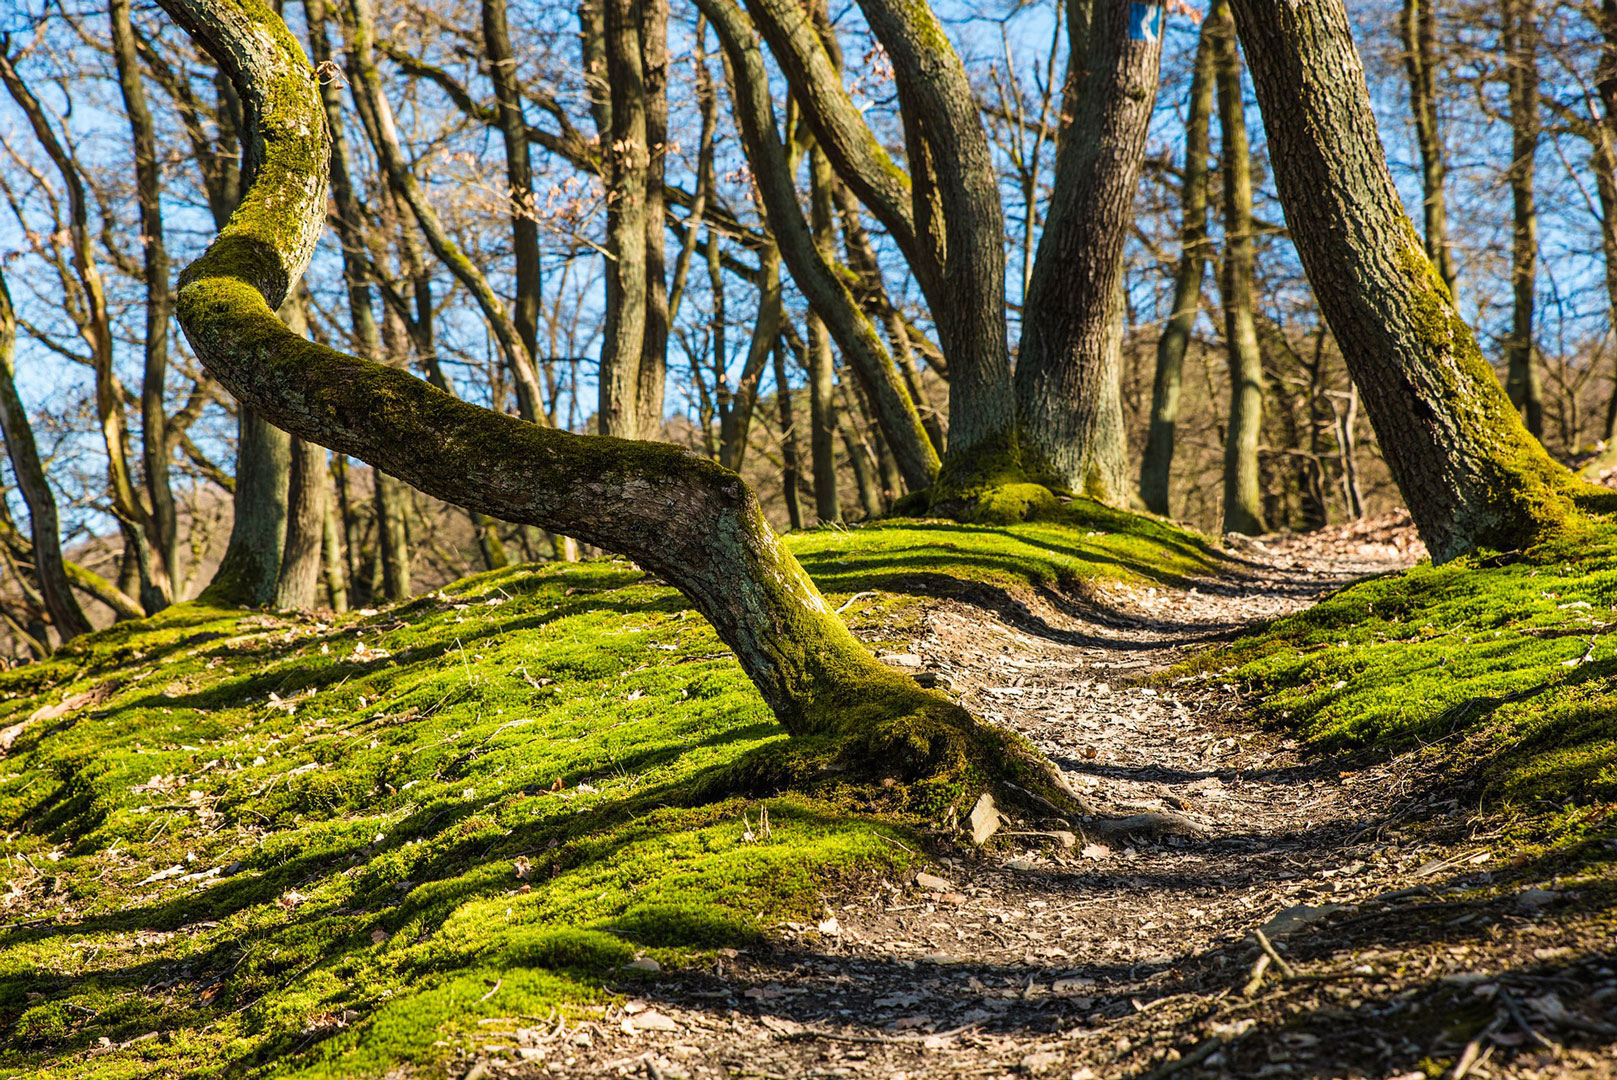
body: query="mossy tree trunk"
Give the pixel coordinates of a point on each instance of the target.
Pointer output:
(1156, 464)
(674, 512)
(1469, 471)
(1243, 492)
(1069, 405)
(50, 573)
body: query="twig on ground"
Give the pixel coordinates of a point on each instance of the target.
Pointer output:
(1473, 1054)
(1256, 980)
(1279, 961)
(855, 598)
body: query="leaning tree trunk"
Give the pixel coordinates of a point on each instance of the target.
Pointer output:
(675, 513)
(1069, 406)
(1470, 473)
(1243, 492)
(1157, 462)
(49, 570)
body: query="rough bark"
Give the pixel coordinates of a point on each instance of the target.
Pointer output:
(1156, 464)
(1068, 403)
(1520, 44)
(54, 591)
(1417, 29)
(1470, 473)
(675, 513)
(1243, 492)
(308, 496)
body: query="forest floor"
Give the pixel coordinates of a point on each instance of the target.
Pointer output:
(1402, 948)
(495, 832)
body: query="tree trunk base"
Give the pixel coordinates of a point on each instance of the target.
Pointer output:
(934, 760)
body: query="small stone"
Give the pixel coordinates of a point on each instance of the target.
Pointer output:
(985, 820)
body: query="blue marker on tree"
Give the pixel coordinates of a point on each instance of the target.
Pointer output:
(1145, 22)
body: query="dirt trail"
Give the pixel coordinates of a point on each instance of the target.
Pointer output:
(1120, 955)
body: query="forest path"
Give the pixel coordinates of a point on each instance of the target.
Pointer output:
(1120, 955)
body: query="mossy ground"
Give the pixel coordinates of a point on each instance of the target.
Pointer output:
(328, 848)
(1503, 669)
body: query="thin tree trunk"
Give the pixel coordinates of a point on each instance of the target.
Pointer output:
(653, 368)
(518, 173)
(1243, 494)
(1470, 473)
(154, 438)
(308, 496)
(1156, 465)
(54, 590)
(1417, 28)
(1520, 45)
(1069, 406)
(791, 475)
(336, 573)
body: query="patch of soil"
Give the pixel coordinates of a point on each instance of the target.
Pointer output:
(1393, 943)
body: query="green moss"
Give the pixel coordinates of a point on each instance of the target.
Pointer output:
(1507, 669)
(350, 847)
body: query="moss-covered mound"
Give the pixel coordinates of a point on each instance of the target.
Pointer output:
(1506, 667)
(290, 846)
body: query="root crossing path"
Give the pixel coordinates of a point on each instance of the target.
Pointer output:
(1129, 950)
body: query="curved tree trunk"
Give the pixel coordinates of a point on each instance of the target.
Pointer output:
(1067, 394)
(1470, 473)
(1157, 462)
(1243, 492)
(674, 512)
(64, 610)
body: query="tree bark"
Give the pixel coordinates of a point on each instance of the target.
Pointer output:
(1470, 473)
(1157, 462)
(1417, 29)
(1068, 400)
(1520, 45)
(1243, 493)
(66, 615)
(308, 494)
